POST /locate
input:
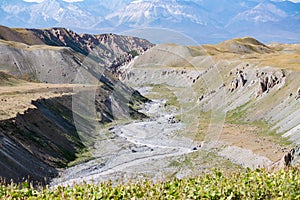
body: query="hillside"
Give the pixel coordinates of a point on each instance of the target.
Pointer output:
(232, 105)
(91, 108)
(108, 50)
(239, 97)
(47, 123)
(7, 79)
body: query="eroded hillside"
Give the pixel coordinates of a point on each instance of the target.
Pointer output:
(58, 52)
(232, 105)
(240, 96)
(48, 123)
(229, 106)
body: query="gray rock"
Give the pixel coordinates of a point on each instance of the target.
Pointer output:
(239, 81)
(295, 156)
(267, 81)
(298, 94)
(290, 159)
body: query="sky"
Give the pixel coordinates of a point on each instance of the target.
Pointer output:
(63, 0)
(83, 0)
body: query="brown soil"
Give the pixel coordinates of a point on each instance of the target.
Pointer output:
(246, 136)
(283, 56)
(17, 99)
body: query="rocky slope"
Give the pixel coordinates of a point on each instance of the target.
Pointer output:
(229, 106)
(203, 20)
(108, 50)
(40, 130)
(237, 96)
(44, 126)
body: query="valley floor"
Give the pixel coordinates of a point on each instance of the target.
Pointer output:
(157, 149)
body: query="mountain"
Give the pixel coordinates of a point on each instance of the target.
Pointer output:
(158, 12)
(109, 50)
(276, 19)
(181, 16)
(68, 99)
(203, 20)
(43, 125)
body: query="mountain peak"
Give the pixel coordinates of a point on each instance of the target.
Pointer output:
(204, 21)
(248, 40)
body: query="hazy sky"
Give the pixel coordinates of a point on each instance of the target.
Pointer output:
(86, 0)
(63, 0)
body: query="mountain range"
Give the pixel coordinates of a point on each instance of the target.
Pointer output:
(203, 21)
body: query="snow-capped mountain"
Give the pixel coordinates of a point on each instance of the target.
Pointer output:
(205, 21)
(47, 13)
(277, 21)
(263, 12)
(154, 12)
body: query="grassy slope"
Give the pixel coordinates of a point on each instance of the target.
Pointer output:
(8, 80)
(281, 56)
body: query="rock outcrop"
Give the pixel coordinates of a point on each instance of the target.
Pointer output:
(239, 81)
(298, 94)
(267, 81)
(290, 159)
(295, 156)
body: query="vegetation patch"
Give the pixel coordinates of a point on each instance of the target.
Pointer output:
(133, 53)
(264, 129)
(256, 184)
(237, 115)
(84, 156)
(160, 91)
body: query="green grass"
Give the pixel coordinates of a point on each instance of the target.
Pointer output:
(81, 157)
(237, 116)
(265, 130)
(199, 161)
(134, 53)
(256, 184)
(160, 91)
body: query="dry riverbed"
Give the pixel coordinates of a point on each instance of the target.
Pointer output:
(153, 148)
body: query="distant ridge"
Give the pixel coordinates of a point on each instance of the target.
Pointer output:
(108, 50)
(83, 43)
(206, 21)
(244, 45)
